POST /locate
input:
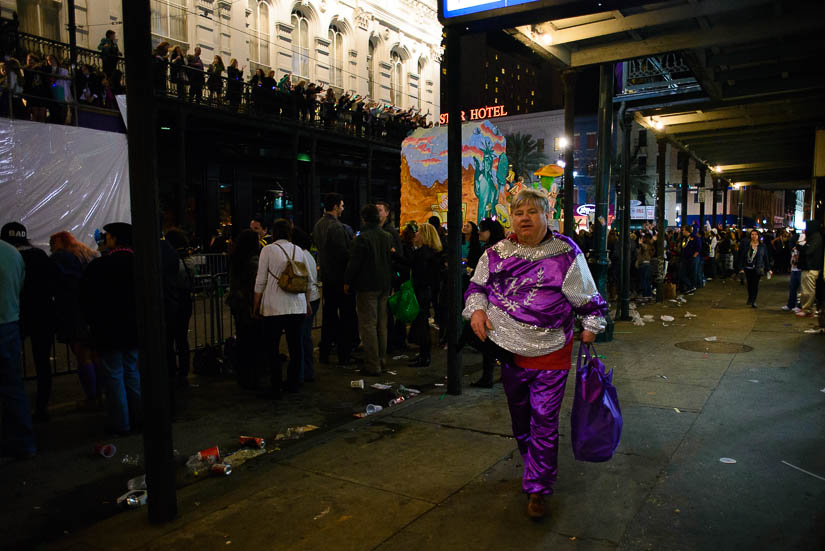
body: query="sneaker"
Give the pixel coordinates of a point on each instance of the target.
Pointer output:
(690, 291)
(814, 331)
(796, 309)
(785, 308)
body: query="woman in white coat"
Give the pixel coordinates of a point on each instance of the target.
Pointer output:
(282, 311)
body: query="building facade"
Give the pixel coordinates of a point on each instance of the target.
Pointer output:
(387, 51)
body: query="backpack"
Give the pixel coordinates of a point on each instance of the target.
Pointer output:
(295, 277)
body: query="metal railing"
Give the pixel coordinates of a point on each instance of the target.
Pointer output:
(29, 43)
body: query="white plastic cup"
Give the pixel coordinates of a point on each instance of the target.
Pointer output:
(373, 408)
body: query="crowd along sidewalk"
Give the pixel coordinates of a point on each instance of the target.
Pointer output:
(722, 449)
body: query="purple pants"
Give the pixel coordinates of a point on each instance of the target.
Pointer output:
(534, 397)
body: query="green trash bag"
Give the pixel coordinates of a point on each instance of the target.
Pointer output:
(403, 303)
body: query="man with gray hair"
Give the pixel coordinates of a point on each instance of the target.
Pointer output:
(524, 297)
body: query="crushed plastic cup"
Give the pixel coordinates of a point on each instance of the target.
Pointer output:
(667, 318)
(105, 450)
(373, 408)
(357, 384)
(210, 455)
(137, 483)
(380, 386)
(710, 339)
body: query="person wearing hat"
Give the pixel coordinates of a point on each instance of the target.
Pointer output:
(16, 434)
(107, 295)
(37, 309)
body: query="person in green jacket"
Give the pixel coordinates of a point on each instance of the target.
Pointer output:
(369, 275)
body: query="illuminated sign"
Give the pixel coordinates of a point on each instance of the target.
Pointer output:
(488, 112)
(454, 8)
(584, 210)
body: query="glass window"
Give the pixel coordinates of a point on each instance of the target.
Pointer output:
(397, 81)
(336, 55)
(422, 65)
(371, 70)
(300, 44)
(40, 18)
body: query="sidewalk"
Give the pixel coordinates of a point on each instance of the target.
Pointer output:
(442, 472)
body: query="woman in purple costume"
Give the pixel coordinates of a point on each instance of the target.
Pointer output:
(524, 297)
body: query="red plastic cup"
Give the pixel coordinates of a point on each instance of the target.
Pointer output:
(212, 455)
(252, 441)
(105, 450)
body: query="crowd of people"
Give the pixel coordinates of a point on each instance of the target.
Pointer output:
(696, 255)
(189, 78)
(43, 88)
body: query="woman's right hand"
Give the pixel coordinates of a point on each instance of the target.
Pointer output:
(480, 323)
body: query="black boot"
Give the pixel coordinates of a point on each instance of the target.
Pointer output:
(486, 380)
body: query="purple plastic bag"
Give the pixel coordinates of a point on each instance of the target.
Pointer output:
(596, 419)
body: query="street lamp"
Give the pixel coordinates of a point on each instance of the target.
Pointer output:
(658, 125)
(717, 169)
(562, 144)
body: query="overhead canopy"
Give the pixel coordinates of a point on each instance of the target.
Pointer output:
(740, 83)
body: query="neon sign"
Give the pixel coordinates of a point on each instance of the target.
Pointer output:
(584, 210)
(488, 112)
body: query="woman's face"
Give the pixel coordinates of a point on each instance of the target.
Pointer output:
(484, 235)
(754, 237)
(466, 229)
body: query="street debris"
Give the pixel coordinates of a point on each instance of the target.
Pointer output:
(663, 377)
(710, 339)
(401, 357)
(294, 433)
(221, 469)
(727, 460)
(753, 380)
(442, 384)
(814, 330)
(373, 408)
(823, 390)
(137, 483)
(133, 498)
(689, 315)
(322, 514)
(357, 384)
(252, 441)
(677, 410)
(392, 372)
(804, 471)
(243, 455)
(409, 391)
(667, 318)
(381, 386)
(648, 317)
(105, 450)
(131, 459)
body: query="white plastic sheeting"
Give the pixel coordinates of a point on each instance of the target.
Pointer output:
(55, 178)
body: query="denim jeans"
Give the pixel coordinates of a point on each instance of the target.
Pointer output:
(17, 434)
(644, 275)
(308, 365)
(122, 384)
(793, 291)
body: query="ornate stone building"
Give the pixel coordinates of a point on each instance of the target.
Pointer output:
(389, 51)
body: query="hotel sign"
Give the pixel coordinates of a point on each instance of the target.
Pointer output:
(488, 112)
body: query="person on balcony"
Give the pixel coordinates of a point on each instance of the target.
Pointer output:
(196, 76)
(35, 88)
(177, 71)
(160, 62)
(215, 80)
(109, 52)
(61, 89)
(234, 84)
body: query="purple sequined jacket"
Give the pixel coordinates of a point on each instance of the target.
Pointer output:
(533, 294)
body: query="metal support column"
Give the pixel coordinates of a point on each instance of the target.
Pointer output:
(701, 191)
(72, 28)
(624, 275)
(739, 212)
(715, 180)
(142, 139)
(604, 153)
(661, 163)
(724, 185)
(183, 169)
(569, 81)
(685, 188)
(454, 222)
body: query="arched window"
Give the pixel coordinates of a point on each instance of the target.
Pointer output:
(40, 18)
(422, 64)
(300, 44)
(371, 70)
(169, 22)
(397, 81)
(336, 56)
(259, 32)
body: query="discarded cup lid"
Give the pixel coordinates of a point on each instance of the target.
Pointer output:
(667, 318)
(728, 460)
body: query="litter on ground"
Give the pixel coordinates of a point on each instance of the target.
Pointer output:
(677, 410)
(689, 315)
(710, 339)
(667, 318)
(727, 460)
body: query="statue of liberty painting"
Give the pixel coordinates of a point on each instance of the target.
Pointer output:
(488, 184)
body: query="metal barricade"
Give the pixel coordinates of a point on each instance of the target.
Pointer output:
(212, 321)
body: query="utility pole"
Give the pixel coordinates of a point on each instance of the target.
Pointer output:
(454, 222)
(624, 276)
(569, 81)
(661, 162)
(143, 184)
(604, 155)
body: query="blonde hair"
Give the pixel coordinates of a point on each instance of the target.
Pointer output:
(531, 197)
(429, 237)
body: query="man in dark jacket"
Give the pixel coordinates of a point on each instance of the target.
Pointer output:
(107, 293)
(687, 264)
(368, 275)
(37, 309)
(811, 254)
(330, 237)
(396, 332)
(109, 52)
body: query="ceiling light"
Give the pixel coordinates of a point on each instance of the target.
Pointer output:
(547, 39)
(717, 169)
(658, 125)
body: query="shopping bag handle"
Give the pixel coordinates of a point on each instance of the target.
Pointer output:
(586, 351)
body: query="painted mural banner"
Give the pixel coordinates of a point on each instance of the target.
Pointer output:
(485, 187)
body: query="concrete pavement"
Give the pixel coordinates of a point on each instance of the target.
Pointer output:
(442, 472)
